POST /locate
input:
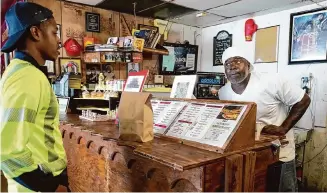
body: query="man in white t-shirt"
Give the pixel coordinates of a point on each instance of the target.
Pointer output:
(280, 105)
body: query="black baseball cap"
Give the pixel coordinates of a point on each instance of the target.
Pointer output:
(19, 18)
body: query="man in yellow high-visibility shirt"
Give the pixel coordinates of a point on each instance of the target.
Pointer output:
(32, 153)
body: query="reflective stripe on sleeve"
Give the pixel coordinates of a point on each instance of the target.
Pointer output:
(19, 115)
(10, 166)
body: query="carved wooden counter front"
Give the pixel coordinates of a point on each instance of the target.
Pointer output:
(97, 161)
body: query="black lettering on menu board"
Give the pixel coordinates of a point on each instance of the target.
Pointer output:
(221, 42)
(92, 22)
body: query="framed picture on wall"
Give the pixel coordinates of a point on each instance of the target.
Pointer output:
(92, 73)
(133, 67)
(72, 65)
(308, 37)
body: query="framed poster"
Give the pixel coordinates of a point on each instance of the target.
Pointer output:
(72, 65)
(92, 22)
(266, 45)
(308, 37)
(221, 42)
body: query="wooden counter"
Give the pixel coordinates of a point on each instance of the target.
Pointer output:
(98, 161)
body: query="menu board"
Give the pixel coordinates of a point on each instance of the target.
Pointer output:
(206, 123)
(164, 113)
(221, 42)
(92, 22)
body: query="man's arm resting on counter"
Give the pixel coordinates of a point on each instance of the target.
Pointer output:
(297, 111)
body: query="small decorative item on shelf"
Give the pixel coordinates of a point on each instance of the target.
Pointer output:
(128, 42)
(128, 57)
(138, 44)
(87, 41)
(121, 42)
(100, 94)
(85, 93)
(101, 81)
(92, 116)
(112, 41)
(94, 94)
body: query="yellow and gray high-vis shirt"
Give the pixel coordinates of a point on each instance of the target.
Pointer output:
(29, 122)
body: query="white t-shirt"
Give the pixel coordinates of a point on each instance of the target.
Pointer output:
(274, 96)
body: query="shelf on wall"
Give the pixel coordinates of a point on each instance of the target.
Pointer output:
(125, 51)
(156, 51)
(93, 99)
(106, 62)
(93, 108)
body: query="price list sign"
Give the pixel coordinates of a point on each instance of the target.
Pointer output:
(164, 113)
(210, 124)
(221, 42)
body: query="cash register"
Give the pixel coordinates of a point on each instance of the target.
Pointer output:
(208, 85)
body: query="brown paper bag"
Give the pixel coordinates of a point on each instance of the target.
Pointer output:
(135, 117)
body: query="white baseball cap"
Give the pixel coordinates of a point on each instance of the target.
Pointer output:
(234, 52)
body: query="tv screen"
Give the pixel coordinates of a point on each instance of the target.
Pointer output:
(182, 59)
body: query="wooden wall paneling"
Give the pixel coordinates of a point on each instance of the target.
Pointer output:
(55, 7)
(151, 63)
(73, 25)
(169, 80)
(123, 70)
(116, 68)
(234, 173)
(109, 23)
(148, 21)
(128, 23)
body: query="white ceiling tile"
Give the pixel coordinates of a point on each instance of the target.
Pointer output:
(192, 20)
(249, 6)
(86, 2)
(202, 4)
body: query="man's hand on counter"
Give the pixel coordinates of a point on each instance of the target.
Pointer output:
(274, 130)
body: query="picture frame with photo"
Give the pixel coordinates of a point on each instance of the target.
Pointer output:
(112, 40)
(133, 67)
(308, 37)
(70, 65)
(108, 72)
(92, 73)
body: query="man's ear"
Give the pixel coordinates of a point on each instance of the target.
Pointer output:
(35, 33)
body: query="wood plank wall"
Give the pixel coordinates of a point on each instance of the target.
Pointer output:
(71, 17)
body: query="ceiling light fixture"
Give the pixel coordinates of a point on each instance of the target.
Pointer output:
(201, 14)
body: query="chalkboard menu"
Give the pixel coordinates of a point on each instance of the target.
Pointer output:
(92, 22)
(221, 42)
